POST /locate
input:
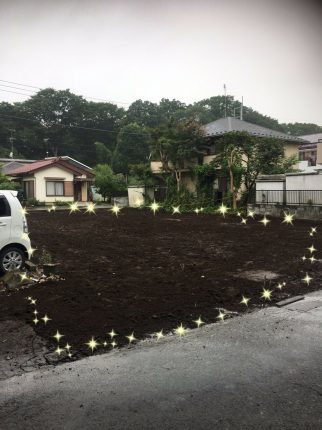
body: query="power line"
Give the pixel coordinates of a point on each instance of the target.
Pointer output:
(17, 83)
(17, 88)
(15, 92)
(87, 97)
(66, 125)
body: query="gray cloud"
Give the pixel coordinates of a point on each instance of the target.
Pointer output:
(267, 51)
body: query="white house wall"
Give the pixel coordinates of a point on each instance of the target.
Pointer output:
(263, 196)
(270, 185)
(304, 182)
(54, 174)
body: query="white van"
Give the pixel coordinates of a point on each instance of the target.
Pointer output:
(15, 247)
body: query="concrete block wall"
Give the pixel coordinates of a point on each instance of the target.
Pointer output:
(300, 212)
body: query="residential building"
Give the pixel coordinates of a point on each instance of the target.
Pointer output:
(301, 188)
(9, 164)
(55, 179)
(311, 151)
(215, 130)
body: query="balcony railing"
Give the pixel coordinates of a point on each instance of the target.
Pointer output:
(289, 197)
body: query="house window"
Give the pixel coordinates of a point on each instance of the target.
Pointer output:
(54, 188)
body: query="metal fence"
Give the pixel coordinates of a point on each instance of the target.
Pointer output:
(289, 197)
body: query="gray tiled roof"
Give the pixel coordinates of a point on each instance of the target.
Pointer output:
(6, 168)
(225, 125)
(312, 138)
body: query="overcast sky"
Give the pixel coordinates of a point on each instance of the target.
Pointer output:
(268, 51)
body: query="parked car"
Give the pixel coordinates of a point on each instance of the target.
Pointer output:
(15, 244)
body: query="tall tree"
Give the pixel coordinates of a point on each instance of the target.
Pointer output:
(132, 147)
(142, 113)
(103, 154)
(302, 128)
(245, 157)
(177, 145)
(56, 111)
(107, 183)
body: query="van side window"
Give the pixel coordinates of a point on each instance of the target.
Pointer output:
(4, 207)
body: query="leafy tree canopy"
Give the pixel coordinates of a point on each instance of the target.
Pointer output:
(132, 147)
(243, 157)
(107, 183)
(61, 123)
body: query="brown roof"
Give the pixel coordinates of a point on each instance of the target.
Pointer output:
(42, 164)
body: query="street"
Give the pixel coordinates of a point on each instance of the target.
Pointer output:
(259, 371)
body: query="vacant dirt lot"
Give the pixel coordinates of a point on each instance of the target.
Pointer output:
(142, 273)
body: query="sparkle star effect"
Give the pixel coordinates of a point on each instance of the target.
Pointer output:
(92, 344)
(197, 211)
(24, 211)
(243, 221)
(221, 316)
(199, 322)
(311, 249)
(223, 209)
(181, 331)
(114, 344)
(312, 259)
(244, 301)
(46, 319)
(159, 335)
(116, 209)
(131, 337)
(280, 285)
(23, 276)
(266, 294)
(31, 251)
(313, 231)
(59, 350)
(67, 347)
(251, 214)
(90, 208)
(175, 210)
(288, 218)
(36, 320)
(307, 279)
(112, 334)
(33, 302)
(58, 336)
(304, 258)
(35, 312)
(154, 207)
(73, 207)
(264, 221)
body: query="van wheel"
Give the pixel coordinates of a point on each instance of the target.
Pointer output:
(11, 258)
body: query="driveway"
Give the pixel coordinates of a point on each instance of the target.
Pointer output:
(259, 371)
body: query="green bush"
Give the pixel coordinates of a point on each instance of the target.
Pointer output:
(33, 202)
(61, 203)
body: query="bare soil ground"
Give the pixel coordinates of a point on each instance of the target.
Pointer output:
(142, 273)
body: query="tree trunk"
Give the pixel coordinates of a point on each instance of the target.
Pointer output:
(231, 185)
(178, 179)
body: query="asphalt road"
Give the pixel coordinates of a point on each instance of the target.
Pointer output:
(260, 371)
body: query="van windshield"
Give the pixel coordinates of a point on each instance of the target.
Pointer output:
(4, 207)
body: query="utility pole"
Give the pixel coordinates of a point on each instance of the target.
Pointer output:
(225, 100)
(11, 139)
